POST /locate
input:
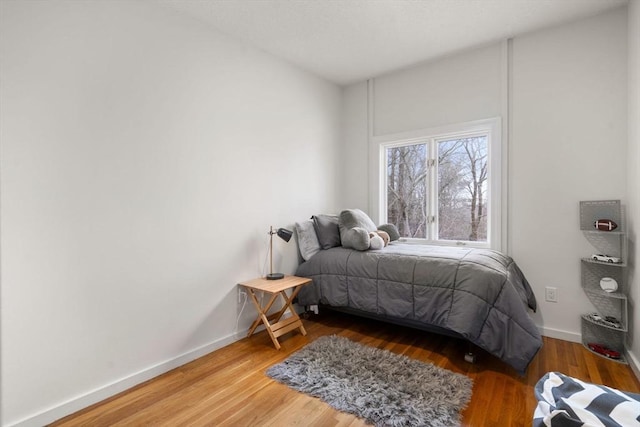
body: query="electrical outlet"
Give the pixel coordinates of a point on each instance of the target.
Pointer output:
(551, 294)
(242, 295)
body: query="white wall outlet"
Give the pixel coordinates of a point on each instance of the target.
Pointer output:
(242, 295)
(551, 294)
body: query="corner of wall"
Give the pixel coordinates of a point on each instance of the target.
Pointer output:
(633, 187)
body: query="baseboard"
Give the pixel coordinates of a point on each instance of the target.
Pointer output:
(560, 334)
(634, 363)
(74, 405)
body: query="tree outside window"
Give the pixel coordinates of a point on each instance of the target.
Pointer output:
(407, 189)
(462, 189)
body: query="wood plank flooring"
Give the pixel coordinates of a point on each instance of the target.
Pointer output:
(229, 387)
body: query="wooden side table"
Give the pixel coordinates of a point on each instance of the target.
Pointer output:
(275, 288)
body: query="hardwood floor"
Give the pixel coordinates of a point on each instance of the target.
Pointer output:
(229, 387)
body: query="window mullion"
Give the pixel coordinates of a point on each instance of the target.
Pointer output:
(432, 200)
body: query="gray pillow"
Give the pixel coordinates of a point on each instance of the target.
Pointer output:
(327, 230)
(391, 230)
(307, 239)
(355, 219)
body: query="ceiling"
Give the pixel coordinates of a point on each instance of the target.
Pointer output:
(346, 41)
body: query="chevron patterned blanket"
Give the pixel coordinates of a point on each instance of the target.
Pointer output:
(565, 401)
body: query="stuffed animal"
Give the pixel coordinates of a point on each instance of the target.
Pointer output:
(359, 232)
(375, 241)
(385, 236)
(378, 239)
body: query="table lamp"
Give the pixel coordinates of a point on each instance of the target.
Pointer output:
(285, 235)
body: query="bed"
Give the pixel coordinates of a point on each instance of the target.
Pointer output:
(477, 294)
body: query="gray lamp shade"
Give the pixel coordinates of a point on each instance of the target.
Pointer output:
(285, 235)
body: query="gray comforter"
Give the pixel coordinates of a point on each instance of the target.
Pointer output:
(480, 294)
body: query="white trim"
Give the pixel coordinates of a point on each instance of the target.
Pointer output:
(381, 182)
(506, 101)
(371, 171)
(561, 334)
(495, 182)
(492, 126)
(634, 363)
(436, 132)
(87, 399)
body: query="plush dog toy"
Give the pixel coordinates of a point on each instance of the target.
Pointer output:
(359, 232)
(378, 239)
(375, 241)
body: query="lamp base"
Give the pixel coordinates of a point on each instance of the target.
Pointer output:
(275, 276)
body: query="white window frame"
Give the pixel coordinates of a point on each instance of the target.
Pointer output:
(492, 128)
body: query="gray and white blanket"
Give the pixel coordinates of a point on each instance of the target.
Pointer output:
(564, 401)
(480, 294)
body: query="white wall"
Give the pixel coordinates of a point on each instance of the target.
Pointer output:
(569, 120)
(633, 190)
(565, 101)
(143, 157)
(355, 162)
(456, 89)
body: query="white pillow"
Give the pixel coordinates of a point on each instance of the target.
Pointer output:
(307, 239)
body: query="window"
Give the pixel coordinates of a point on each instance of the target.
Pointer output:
(443, 186)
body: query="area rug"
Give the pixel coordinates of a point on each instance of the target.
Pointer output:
(382, 387)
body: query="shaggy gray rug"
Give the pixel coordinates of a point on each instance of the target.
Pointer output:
(382, 387)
